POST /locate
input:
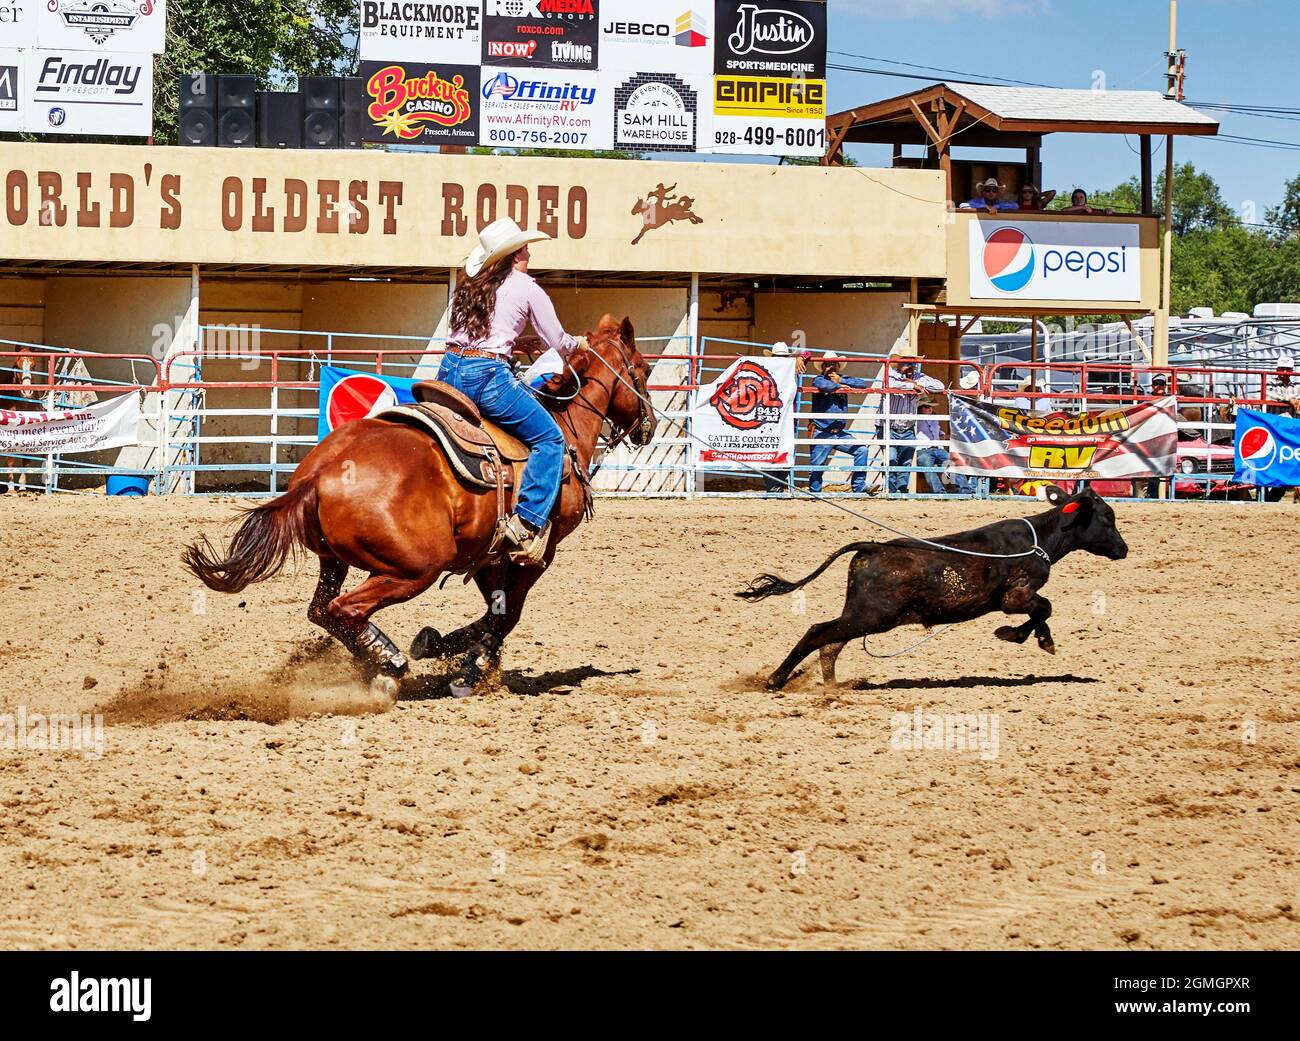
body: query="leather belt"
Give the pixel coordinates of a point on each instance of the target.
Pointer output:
(474, 352)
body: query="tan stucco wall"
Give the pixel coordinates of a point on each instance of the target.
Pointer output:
(867, 322)
(22, 311)
(654, 312)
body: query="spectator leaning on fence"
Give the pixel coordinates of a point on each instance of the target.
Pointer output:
(776, 481)
(1283, 391)
(831, 396)
(989, 198)
(905, 379)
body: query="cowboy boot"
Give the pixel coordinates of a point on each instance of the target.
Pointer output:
(523, 545)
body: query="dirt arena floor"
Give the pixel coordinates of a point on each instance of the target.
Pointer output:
(633, 785)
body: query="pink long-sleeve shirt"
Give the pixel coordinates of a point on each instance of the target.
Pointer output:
(519, 300)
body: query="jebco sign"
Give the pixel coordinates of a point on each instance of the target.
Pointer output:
(1054, 260)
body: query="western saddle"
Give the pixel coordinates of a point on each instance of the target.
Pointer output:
(481, 453)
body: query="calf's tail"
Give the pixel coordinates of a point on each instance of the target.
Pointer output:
(773, 585)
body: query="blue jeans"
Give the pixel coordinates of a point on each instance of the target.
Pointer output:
(838, 441)
(502, 398)
(900, 458)
(936, 458)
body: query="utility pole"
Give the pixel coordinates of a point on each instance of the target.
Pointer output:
(1174, 76)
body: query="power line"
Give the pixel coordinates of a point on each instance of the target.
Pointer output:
(932, 68)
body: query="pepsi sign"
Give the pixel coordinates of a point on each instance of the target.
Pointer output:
(346, 394)
(1267, 450)
(1054, 260)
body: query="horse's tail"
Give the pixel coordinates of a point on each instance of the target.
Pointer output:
(772, 585)
(269, 533)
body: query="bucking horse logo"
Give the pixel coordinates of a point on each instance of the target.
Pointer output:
(660, 206)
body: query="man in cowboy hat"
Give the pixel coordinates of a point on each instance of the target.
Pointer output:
(491, 307)
(904, 382)
(989, 198)
(1283, 389)
(777, 481)
(830, 402)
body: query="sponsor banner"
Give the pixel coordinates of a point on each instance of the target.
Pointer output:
(784, 38)
(1267, 450)
(1054, 260)
(18, 23)
(110, 424)
(80, 92)
(346, 394)
(657, 62)
(11, 108)
(412, 103)
(541, 34)
(993, 440)
(106, 26)
(435, 31)
(657, 112)
(747, 415)
(760, 116)
(544, 108)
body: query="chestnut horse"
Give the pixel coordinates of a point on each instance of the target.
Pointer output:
(382, 497)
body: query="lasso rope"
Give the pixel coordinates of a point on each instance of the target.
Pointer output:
(1034, 550)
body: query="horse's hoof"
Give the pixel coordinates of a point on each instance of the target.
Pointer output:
(1048, 646)
(427, 644)
(460, 687)
(383, 686)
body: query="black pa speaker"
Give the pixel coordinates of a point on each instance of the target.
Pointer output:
(279, 119)
(235, 110)
(197, 123)
(320, 111)
(353, 111)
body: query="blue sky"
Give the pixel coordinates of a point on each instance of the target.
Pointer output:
(1239, 51)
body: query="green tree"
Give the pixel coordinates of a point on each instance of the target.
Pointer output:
(274, 40)
(1285, 218)
(1198, 201)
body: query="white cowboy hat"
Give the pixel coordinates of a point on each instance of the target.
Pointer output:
(970, 381)
(1284, 361)
(830, 356)
(780, 349)
(499, 239)
(992, 182)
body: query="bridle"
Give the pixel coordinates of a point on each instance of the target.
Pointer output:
(643, 424)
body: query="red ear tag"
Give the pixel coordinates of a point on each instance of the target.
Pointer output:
(1069, 507)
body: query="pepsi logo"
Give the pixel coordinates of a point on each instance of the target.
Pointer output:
(1009, 260)
(357, 397)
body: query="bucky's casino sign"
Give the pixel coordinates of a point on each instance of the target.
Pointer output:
(541, 34)
(410, 103)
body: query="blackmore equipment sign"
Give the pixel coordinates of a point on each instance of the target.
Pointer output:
(430, 32)
(80, 92)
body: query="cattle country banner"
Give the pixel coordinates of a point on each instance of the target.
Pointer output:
(993, 440)
(746, 415)
(541, 34)
(111, 424)
(410, 103)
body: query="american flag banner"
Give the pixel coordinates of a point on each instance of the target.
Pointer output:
(990, 439)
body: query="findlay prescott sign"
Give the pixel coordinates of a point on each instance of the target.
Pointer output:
(80, 92)
(556, 34)
(416, 104)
